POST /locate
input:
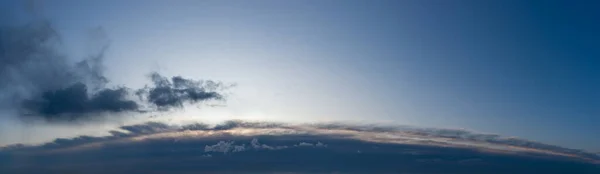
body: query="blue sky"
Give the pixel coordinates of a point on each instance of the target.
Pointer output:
(527, 69)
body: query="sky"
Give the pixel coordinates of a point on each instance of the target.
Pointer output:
(515, 68)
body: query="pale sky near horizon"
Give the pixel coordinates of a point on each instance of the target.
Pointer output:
(509, 67)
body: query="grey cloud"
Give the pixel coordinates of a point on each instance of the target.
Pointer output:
(305, 144)
(63, 142)
(319, 144)
(30, 62)
(175, 92)
(256, 145)
(413, 136)
(74, 101)
(496, 139)
(117, 134)
(196, 126)
(151, 148)
(231, 124)
(147, 128)
(42, 82)
(224, 147)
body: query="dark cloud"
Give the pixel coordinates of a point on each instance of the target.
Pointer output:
(161, 148)
(497, 139)
(400, 135)
(147, 128)
(167, 93)
(41, 82)
(74, 100)
(29, 61)
(232, 124)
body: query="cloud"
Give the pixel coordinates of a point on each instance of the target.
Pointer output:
(298, 148)
(400, 135)
(74, 100)
(30, 62)
(147, 128)
(304, 144)
(224, 147)
(256, 145)
(169, 93)
(229, 147)
(318, 144)
(39, 81)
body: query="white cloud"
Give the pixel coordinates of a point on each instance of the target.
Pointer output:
(305, 144)
(221, 146)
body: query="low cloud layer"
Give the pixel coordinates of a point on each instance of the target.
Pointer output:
(42, 82)
(263, 147)
(456, 138)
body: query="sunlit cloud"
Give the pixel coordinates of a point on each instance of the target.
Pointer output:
(449, 138)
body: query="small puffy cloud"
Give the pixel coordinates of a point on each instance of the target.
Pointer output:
(319, 144)
(256, 145)
(223, 147)
(230, 146)
(305, 144)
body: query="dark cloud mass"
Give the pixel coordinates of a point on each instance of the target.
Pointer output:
(175, 92)
(75, 100)
(259, 147)
(41, 82)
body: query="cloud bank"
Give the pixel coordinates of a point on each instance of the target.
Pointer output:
(265, 147)
(42, 82)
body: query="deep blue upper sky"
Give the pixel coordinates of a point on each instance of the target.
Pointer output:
(522, 68)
